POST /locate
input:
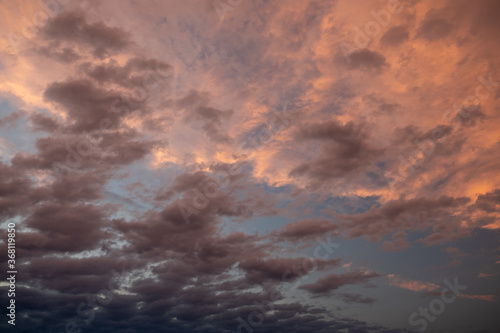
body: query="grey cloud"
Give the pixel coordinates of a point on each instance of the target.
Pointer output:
(73, 27)
(363, 59)
(395, 36)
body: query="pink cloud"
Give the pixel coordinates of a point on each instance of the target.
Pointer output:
(413, 285)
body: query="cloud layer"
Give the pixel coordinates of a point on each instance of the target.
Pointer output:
(246, 165)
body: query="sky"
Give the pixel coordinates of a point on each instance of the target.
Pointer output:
(250, 166)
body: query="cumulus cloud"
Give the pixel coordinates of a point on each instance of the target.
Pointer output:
(395, 36)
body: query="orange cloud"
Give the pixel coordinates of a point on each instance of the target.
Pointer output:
(482, 275)
(488, 298)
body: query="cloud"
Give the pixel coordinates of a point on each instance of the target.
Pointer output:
(345, 150)
(399, 215)
(11, 119)
(483, 18)
(17, 191)
(195, 109)
(282, 269)
(488, 202)
(44, 123)
(72, 27)
(413, 285)
(468, 116)
(138, 72)
(145, 111)
(306, 229)
(332, 282)
(76, 153)
(64, 228)
(434, 27)
(363, 59)
(488, 298)
(86, 105)
(395, 36)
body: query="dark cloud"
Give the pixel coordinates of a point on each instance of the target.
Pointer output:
(282, 269)
(331, 131)
(186, 310)
(382, 106)
(413, 214)
(42, 122)
(485, 19)
(169, 230)
(93, 134)
(138, 72)
(17, 191)
(306, 230)
(77, 275)
(345, 150)
(332, 282)
(410, 134)
(194, 106)
(64, 228)
(395, 36)
(88, 106)
(488, 202)
(469, 115)
(78, 153)
(72, 27)
(435, 26)
(363, 59)
(78, 187)
(389, 107)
